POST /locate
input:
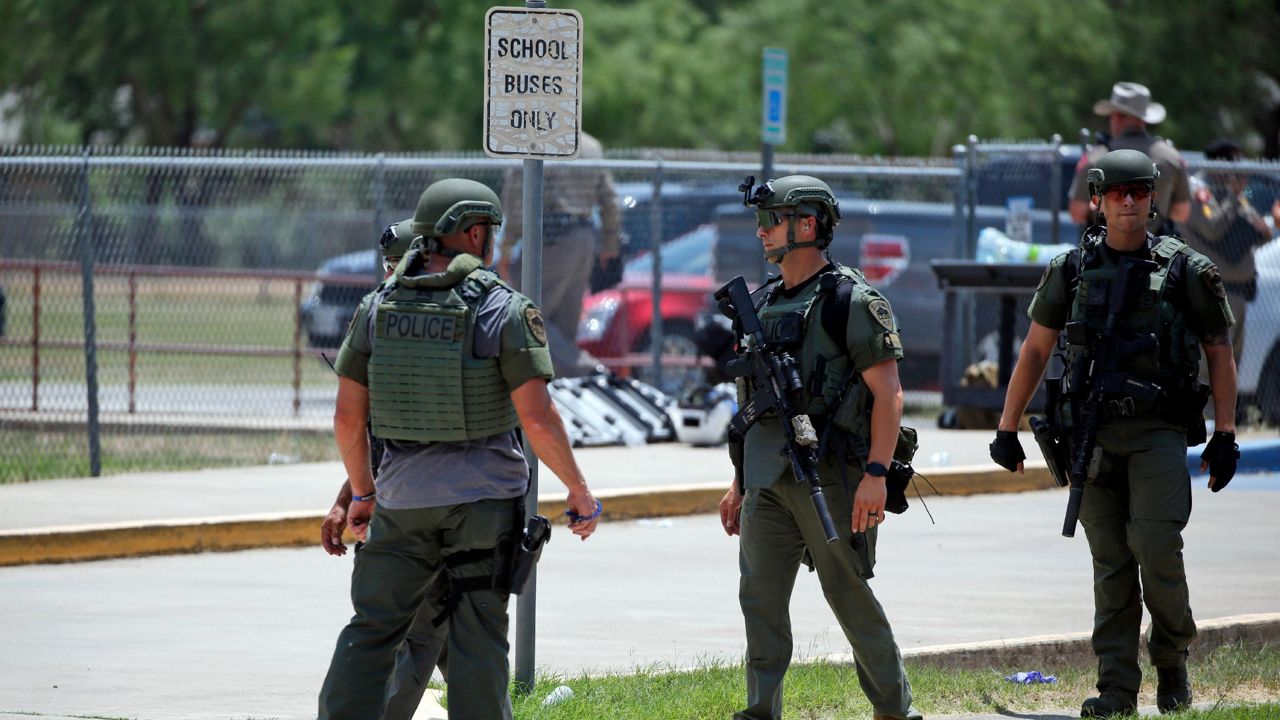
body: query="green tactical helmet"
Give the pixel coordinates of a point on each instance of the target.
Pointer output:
(1119, 167)
(453, 205)
(807, 194)
(396, 239)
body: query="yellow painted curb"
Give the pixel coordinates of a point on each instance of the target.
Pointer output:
(244, 532)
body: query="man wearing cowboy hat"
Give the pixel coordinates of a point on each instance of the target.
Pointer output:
(1129, 111)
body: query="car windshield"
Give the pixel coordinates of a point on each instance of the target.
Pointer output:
(689, 253)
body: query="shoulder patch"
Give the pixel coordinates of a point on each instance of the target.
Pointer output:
(1213, 279)
(537, 328)
(880, 310)
(1044, 277)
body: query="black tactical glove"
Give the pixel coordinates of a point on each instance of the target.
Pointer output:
(1007, 451)
(1222, 453)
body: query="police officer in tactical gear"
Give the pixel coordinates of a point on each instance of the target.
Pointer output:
(446, 362)
(1139, 496)
(424, 647)
(840, 331)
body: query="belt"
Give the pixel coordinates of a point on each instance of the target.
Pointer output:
(564, 220)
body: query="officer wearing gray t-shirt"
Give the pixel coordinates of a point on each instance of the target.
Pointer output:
(445, 362)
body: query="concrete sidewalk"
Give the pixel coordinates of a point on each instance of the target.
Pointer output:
(282, 505)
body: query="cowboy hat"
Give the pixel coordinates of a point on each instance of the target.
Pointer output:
(1133, 99)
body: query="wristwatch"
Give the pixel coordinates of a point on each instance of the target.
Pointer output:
(875, 469)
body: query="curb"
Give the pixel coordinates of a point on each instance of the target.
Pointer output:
(1048, 651)
(246, 532)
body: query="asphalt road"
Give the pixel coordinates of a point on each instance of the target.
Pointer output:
(249, 634)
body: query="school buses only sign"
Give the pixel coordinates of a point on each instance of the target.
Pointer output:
(532, 83)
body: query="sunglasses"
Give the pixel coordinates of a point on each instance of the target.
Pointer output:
(768, 219)
(1138, 191)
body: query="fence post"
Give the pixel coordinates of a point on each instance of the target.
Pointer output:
(133, 342)
(1055, 188)
(297, 347)
(655, 250)
(379, 212)
(84, 229)
(35, 338)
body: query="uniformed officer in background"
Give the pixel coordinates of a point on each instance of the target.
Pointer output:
(446, 361)
(849, 336)
(425, 646)
(572, 247)
(1134, 512)
(1226, 227)
(1129, 111)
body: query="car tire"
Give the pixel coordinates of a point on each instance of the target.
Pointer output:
(677, 339)
(1268, 397)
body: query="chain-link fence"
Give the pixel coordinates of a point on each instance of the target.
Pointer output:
(218, 279)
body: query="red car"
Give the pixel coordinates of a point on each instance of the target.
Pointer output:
(616, 322)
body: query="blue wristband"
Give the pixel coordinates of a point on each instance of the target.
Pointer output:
(575, 517)
(875, 469)
(364, 498)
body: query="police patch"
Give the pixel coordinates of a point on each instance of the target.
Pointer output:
(1214, 279)
(1044, 278)
(537, 328)
(880, 310)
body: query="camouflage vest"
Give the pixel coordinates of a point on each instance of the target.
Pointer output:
(1174, 360)
(425, 385)
(793, 324)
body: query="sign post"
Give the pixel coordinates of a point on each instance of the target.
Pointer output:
(532, 111)
(773, 118)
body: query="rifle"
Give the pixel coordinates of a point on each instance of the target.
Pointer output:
(1102, 372)
(775, 379)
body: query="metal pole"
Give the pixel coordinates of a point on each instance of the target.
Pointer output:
(133, 343)
(379, 211)
(84, 229)
(655, 250)
(531, 285)
(35, 338)
(1055, 189)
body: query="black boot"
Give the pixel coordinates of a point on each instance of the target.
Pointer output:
(1173, 692)
(1111, 702)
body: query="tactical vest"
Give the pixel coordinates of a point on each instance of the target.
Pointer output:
(1173, 362)
(793, 324)
(425, 384)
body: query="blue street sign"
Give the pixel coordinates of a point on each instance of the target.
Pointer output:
(773, 122)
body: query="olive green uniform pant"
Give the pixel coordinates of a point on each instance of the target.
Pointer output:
(424, 649)
(778, 524)
(406, 549)
(1133, 517)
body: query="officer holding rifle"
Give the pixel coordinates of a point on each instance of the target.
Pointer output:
(1135, 310)
(811, 450)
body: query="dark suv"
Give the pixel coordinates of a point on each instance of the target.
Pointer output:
(333, 298)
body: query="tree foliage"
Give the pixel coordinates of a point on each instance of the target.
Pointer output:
(888, 76)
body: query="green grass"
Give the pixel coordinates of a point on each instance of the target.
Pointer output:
(29, 455)
(206, 312)
(1230, 677)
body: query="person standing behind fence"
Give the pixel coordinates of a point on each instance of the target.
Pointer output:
(1226, 227)
(571, 245)
(1129, 111)
(447, 362)
(426, 645)
(841, 332)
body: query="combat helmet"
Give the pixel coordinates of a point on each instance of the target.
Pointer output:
(454, 205)
(1119, 167)
(807, 195)
(396, 239)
